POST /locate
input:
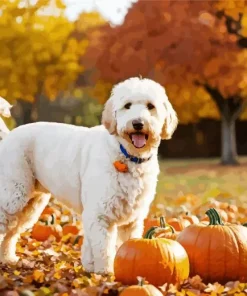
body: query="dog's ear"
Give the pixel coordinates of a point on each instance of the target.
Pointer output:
(171, 122)
(108, 117)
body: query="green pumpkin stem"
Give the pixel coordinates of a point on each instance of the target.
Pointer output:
(150, 231)
(149, 234)
(162, 222)
(164, 225)
(214, 217)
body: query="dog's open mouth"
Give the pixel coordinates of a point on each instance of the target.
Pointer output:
(139, 140)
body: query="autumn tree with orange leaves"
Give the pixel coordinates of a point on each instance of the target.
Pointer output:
(196, 49)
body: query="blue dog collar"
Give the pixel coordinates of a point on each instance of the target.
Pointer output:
(132, 158)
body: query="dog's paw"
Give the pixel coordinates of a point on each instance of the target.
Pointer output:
(105, 274)
(104, 271)
(89, 267)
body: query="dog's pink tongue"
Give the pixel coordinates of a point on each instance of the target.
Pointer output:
(138, 140)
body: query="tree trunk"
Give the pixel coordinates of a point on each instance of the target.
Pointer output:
(228, 141)
(23, 112)
(229, 109)
(27, 113)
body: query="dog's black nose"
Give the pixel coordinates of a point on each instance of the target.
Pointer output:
(138, 124)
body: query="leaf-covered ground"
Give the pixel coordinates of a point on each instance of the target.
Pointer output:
(53, 267)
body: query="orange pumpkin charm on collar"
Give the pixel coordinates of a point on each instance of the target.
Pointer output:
(121, 167)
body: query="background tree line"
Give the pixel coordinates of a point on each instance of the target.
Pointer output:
(196, 49)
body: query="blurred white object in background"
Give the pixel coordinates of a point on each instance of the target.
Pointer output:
(5, 108)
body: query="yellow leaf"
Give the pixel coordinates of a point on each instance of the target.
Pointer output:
(244, 31)
(35, 253)
(244, 21)
(57, 275)
(16, 272)
(38, 276)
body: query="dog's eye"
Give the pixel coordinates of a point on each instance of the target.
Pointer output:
(127, 106)
(150, 106)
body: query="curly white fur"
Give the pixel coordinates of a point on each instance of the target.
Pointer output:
(75, 164)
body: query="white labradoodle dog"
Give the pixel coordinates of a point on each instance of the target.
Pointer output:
(76, 165)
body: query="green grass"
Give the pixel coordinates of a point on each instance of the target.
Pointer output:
(203, 178)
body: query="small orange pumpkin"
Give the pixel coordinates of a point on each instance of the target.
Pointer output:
(150, 222)
(162, 231)
(68, 228)
(158, 260)
(49, 211)
(217, 251)
(42, 232)
(178, 223)
(141, 290)
(191, 218)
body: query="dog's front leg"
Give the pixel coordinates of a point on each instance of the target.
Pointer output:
(129, 231)
(102, 237)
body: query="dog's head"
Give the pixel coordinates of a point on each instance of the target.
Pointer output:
(139, 113)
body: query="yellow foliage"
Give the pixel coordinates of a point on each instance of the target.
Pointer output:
(191, 102)
(100, 91)
(37, 52)
(232, 7)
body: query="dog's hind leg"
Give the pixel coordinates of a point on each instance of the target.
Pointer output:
(25, 220)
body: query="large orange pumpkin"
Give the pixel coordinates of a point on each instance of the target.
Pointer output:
(141, 290)
(217, 251)
(158, 260)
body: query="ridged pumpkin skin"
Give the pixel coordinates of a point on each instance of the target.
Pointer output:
(158, 260)
(217, 252)
(145, 290)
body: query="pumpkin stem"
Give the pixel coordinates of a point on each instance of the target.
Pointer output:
(214, 217)
(162, 222)
(149, 234)
(164, 225)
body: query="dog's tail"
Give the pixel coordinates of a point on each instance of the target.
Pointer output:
(4, 111)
